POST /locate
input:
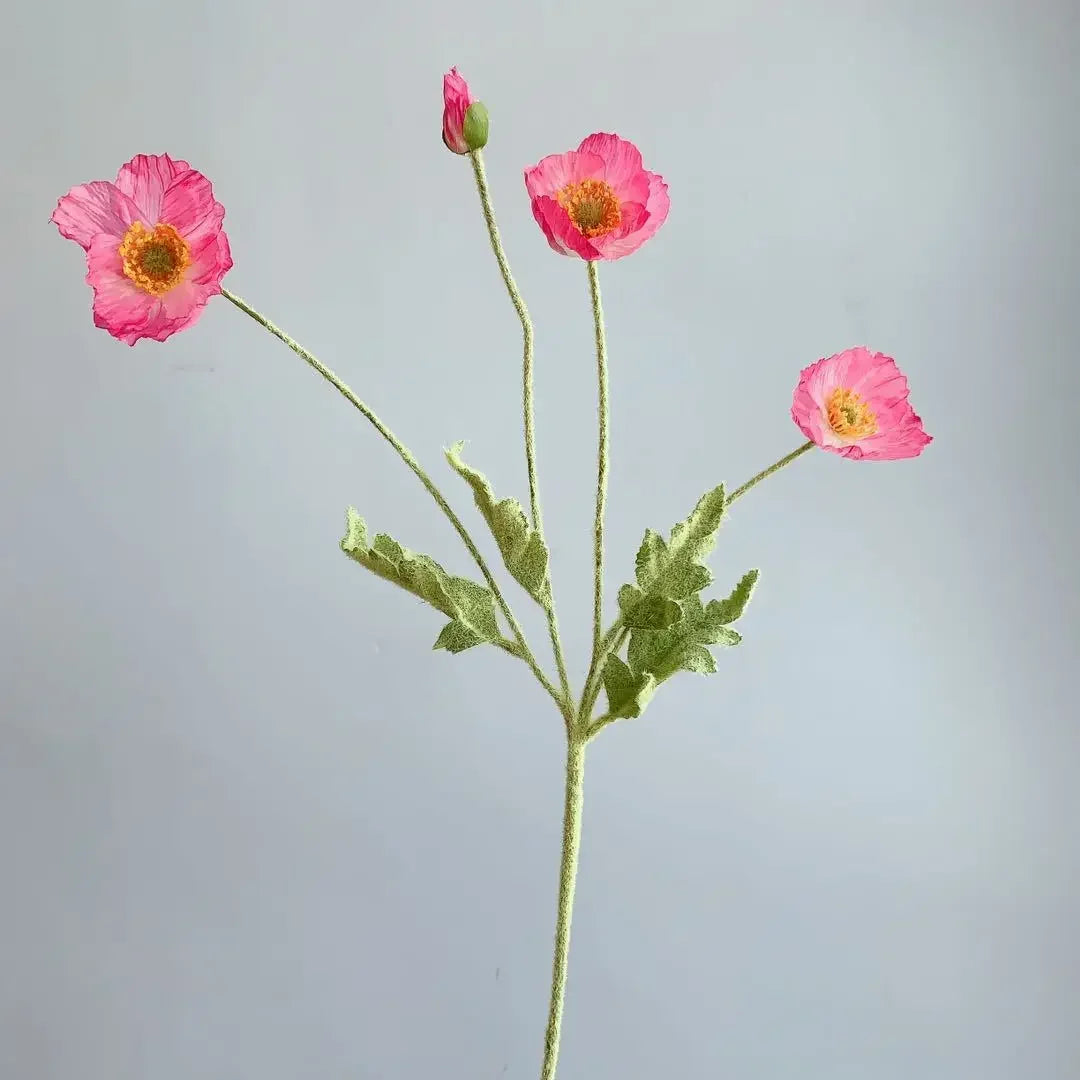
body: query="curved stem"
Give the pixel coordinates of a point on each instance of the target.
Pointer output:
(526, 329)
(786, 460)
(571, 847)
(405, 454)
(601, 458)
(527, 391)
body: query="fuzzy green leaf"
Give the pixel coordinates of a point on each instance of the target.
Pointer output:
(731, 608)
(681, 647)
(521, 546)
(627, 693)
(456, 637)
(470, 606)
(699, 660)
(673, 569)
(693, 539)
(647, 612)
(651, 558)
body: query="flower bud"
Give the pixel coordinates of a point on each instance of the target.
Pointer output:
(465, 121)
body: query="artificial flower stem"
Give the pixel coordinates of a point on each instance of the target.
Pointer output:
(585, 729)
(775, 467)
(406, 455)
(527, 392)
(601, 458)
(526, 331)
(571, 847)
(611, 642)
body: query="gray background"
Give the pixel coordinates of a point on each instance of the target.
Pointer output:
(250, 826)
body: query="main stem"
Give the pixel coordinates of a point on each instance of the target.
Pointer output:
(406, 455)
(571, 847)
(527, 391)
(601, 459)
(577, 728)
(584, 728)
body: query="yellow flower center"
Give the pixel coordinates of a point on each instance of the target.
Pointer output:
(155, 259)
(849, 416)
(592, 205)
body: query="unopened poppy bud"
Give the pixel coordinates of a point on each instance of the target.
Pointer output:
(465, 121)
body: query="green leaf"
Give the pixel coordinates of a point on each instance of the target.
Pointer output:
(650, 559)
(456, 637)
(521, 546)
(470, 606)
(699, 660)
(731, 609)
(693, 539)
(681, 647)
(647, 612)
(673, 570)
(627, 693)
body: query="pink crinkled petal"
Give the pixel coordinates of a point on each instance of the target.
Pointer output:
(188, 204)
(903, 439)
(637, 225)
(119, 306)
(91, 209)
(177, 309)
(146, 178)
(456, 102)
(809, 416)
(622, 166)
(626, 237)
(561, 234)
(555, 171)
(212, 263)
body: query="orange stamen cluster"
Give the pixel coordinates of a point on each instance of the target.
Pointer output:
(592, 205)
(849, 416)
(155, 259)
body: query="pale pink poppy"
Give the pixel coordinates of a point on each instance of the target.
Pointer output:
(856, 404)
(155, 249)
(597, 202)
(465, 120)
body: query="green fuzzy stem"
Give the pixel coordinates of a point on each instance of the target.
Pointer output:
(775, 467)
(601, 459)
(527, 392)
(571, 847)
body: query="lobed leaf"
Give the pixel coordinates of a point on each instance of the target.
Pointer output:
(681, 647)
(731, 608)
(646, 612)
(627, 693)
(671, 571)
(523, 550)
(469, 605)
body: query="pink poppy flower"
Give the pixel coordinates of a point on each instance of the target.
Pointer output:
(597, 201)
(464, 120)
(155, 249)
(856, 404)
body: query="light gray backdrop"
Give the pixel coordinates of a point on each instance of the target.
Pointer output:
(251, 826)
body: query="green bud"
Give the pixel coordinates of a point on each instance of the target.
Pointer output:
(475, 128)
